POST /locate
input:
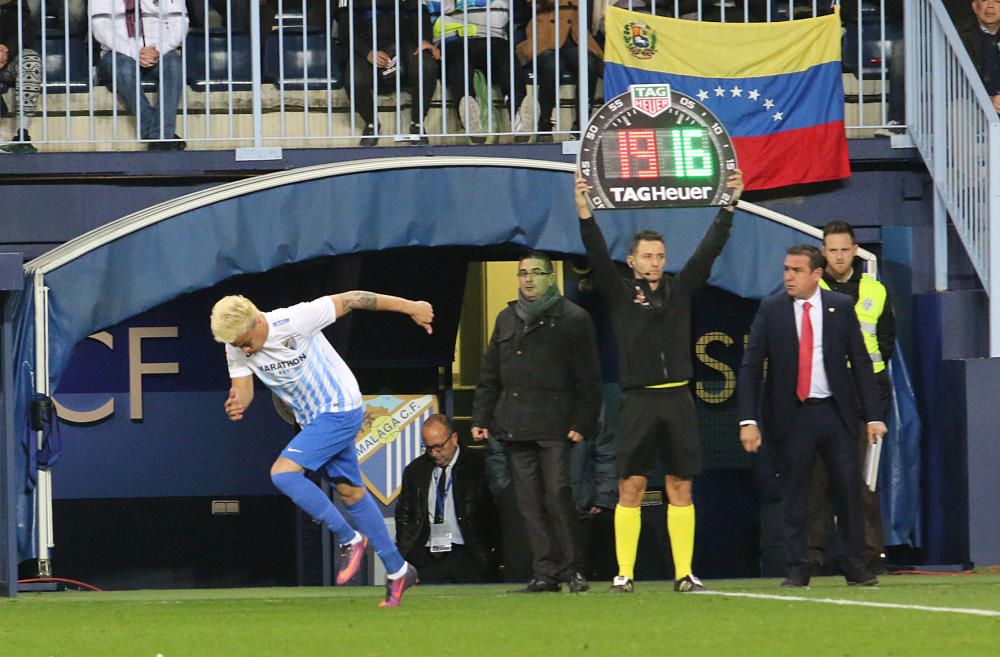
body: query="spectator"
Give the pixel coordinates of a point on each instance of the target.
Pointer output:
(476, 41)
(145, 46)
(541, 45)
(445, 518)
(374, 44)
(539, 393)
(981, 35)
(21, 69)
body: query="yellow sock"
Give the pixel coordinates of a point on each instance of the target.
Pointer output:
(628, 522)
(680, 526)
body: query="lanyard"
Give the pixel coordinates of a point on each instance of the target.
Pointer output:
(439, 504)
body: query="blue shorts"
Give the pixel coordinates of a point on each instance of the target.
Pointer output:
(328, 443)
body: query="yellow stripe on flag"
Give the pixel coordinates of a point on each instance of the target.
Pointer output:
(719, 50)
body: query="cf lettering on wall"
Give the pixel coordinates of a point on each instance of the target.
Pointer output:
(136, 369)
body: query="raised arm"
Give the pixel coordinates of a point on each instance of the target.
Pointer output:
(420, 312)
(698, 268)
(606, 275)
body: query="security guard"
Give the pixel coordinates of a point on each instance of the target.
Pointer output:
(878, 328)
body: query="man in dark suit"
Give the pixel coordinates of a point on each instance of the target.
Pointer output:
(809, 404)
(445, 518)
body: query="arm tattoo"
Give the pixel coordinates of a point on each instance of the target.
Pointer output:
(360, 301)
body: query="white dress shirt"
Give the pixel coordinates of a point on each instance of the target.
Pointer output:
(449, 501)
(819, 387)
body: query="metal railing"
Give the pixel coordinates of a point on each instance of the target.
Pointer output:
(957, 131)
(290, 72)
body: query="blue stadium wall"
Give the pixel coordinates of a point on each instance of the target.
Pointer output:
(886, 198)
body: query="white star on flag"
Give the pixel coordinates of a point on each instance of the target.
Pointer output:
(736, 91)
(702, 95)
(768, 103)
(777, 116)
(754, 94)
(719, 91)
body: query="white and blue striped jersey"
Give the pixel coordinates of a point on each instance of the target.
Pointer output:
(299, 364)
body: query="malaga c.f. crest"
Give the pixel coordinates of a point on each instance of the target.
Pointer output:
(390, 439)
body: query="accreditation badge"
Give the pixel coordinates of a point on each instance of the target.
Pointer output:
(441, 537)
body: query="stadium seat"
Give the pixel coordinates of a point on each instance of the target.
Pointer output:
(871, 48)
(223, 54)
(67, 68)
(295, 63)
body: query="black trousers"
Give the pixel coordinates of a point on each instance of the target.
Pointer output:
(540, 475)
(821, 548)
(366, 89)
(548, 79)
(817, 430)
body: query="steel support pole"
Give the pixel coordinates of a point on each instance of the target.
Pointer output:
(939, 163)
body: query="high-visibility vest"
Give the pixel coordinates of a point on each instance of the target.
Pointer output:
(869, 307)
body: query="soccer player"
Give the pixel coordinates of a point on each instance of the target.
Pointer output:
(287, 350)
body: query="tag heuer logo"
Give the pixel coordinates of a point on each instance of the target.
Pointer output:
(640, 39)
(650, 99)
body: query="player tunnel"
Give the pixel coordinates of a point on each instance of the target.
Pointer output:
(382, 211)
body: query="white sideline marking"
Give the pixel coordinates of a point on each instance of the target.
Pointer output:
(855, 603)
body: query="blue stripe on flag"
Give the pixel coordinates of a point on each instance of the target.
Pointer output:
(806, 99)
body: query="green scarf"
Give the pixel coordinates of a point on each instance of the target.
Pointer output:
(530, 311)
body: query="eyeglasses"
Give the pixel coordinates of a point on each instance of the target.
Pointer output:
(435, 449)
(534, 273)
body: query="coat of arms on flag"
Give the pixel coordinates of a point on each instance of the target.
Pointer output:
(389, 439)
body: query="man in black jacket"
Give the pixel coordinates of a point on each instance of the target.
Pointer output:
(445, 518)
(818, 369)
(369, 37)
(651, 316)
(539, 392)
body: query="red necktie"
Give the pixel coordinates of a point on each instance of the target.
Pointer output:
(130, 20)
(805, 355)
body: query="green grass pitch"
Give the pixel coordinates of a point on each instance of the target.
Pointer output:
(474, 621)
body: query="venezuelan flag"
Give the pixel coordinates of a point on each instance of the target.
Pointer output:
(776, 87)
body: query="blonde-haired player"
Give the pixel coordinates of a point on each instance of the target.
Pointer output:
(288, 352)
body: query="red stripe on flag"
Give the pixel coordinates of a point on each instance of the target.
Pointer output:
(794, 157)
